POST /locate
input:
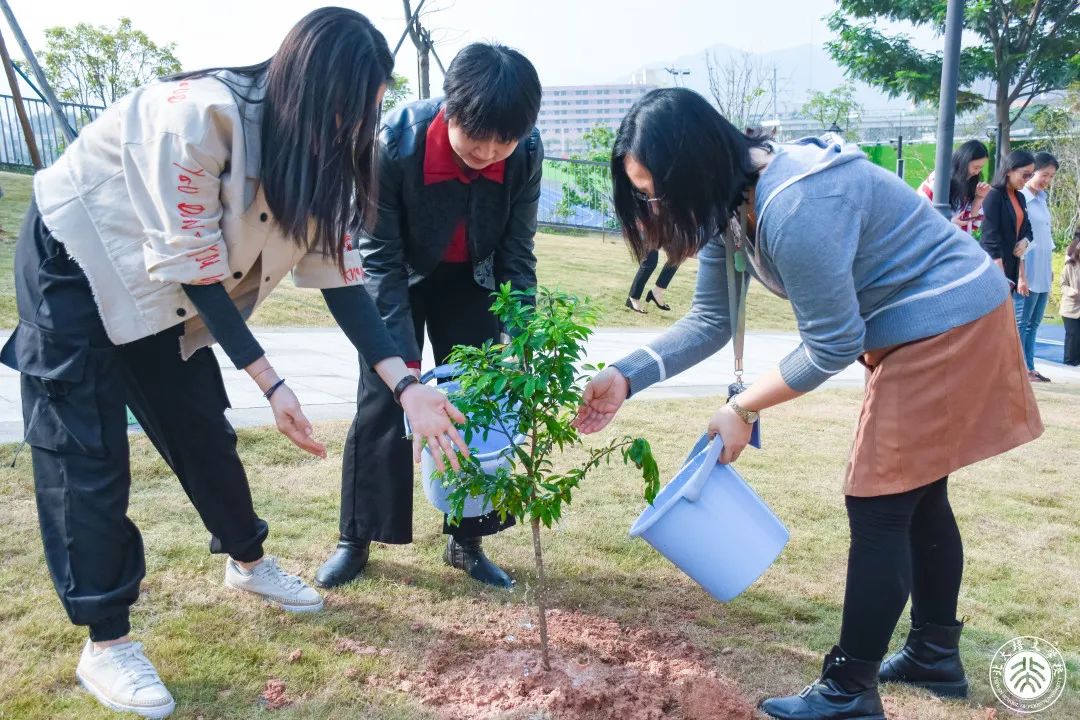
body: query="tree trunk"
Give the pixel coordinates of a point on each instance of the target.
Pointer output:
(425, 72)
(541, 587)
(1001, 114)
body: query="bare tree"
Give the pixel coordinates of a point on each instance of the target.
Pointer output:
(740, 86)
(421, 36)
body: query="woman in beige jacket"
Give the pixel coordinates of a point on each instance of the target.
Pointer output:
(1070, 300)
(157, 232)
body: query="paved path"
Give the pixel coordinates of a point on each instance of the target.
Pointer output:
(321, 367)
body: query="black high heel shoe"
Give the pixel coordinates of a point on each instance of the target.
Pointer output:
(652, 298)
(630, 305)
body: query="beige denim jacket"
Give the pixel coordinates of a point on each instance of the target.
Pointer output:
(162, 189)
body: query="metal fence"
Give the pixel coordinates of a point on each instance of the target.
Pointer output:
(576, 194)
(47, 134)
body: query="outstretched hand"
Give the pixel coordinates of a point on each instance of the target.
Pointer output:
(432, 417)
(603, 397)
(291, 422)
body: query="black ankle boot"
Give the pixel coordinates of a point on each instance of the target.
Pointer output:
(468, 555)
(846, 690)
(345, 564)
(930, 659)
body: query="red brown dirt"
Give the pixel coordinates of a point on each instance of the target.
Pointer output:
(274, 696)
(599, 671)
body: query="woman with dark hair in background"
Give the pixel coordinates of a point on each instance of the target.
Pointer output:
(157, 232)
(1006, 231)
(645, 271)
(875, 275)
(459, 189)
(1038, 261)
(966, 188)
(1070, 300)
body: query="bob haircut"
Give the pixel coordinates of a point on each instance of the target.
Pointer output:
(1015, 159)
(1045, 160)
(492, 91)
(701, 169)
(319, 118)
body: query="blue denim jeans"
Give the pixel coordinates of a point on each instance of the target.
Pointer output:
(1029, 314)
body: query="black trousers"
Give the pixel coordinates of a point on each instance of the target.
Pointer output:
(75, 384)
(377, 470)
(1072, 341)
(645, 271)
(901, 545)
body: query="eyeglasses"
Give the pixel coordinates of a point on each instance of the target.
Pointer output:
(645, 200)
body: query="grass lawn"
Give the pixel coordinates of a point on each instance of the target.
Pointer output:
(1019, 514)
(595, 265)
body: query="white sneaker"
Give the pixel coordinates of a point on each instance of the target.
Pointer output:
(122, 679)
(271, 583)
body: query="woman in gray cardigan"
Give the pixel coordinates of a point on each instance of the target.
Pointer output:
(874, 275)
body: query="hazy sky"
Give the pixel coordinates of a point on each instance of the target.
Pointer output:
(569, 41)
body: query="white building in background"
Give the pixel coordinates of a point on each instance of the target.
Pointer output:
(568, 112)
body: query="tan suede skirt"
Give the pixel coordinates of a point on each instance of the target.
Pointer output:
(936, 405)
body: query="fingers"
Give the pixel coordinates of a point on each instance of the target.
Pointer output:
(448, 450)
(459, 442)
(417, 446)
(590, 421)
(728, 455)
(302, 439)
(453, 413)
(433, 448)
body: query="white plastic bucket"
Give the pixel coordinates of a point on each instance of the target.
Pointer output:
(492, 450)
(712, 525)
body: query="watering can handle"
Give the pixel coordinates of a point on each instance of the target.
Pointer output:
(692, 489)
(441, 372)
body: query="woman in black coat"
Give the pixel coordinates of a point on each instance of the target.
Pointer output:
(1006, 231)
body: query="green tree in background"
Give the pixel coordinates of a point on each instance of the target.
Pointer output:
(97, 65)
(589, 186)
(836, 108)
(1024, 48)
(397, 92)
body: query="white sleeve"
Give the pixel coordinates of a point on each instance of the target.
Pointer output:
(174, 184)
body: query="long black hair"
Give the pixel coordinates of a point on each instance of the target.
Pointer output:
(1015, 159)
(319, 118)
(701, 169)
(961, 186)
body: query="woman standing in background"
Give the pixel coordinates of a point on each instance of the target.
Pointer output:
(1006, 231)
(1038, 262)
(1070, 301)
(966, 189)
(645, 271)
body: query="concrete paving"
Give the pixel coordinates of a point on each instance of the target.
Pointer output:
(321, 367)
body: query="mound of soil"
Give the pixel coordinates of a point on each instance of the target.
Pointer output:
(599, 671)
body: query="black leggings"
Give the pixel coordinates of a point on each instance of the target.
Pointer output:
(645, 271)
(900, 544)
(1072, 341)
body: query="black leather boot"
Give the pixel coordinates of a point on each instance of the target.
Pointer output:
(846, 690)
(345, 564)
(930, 659)
(468, 555)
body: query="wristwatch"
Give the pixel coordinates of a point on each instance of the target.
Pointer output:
(748, 416)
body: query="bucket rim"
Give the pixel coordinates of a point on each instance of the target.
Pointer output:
(652, 514)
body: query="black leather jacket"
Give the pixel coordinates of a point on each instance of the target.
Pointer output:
(999, 235)
(416, 221)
